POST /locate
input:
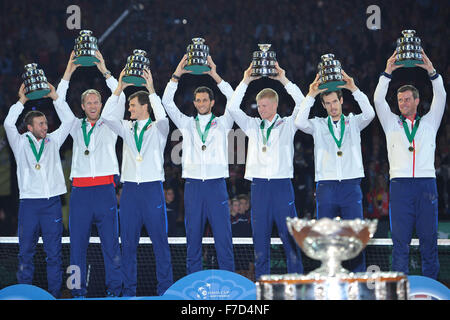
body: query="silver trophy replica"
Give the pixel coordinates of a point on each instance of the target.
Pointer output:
(333, 241)
(36, 86)
(85, 48)
(134, 69)
(263, 63)
(330, 73)
(409, 50)
(197, 56)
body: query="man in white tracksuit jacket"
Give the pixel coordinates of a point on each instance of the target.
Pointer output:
(411, 144)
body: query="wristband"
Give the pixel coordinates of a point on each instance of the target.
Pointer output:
(106, 73)
(433, 75)
(176, 77)
(387, 75)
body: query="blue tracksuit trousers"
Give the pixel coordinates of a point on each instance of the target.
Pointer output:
(88, 205)
(413, 203)
(207, 199)
(342, 199)
(273, 201)
(144, 204)
(45, 216)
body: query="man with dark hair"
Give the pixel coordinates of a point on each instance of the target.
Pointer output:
(327, 93)
(408, 87)
(172, 212)
(204, 89)
(41, 182)
(337, 153)
(269, 166)
(142, 201)
(205, 167)
(411, 144)
(94, 164)
(30, 115)
(241, 222)
(142, 99)
(244, 203)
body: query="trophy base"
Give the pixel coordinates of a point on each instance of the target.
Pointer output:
(86, 61)
(264, 74)
(332, 86)
(137, 81)
(197, 69)
(353, 286)
(38, 94)
(409, 63)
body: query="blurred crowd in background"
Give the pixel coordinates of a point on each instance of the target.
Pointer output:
(299, 32)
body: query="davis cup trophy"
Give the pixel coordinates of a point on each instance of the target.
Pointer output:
(197, 56)
(333, 241)
(134, 69)
(409, 51)
(263, 63)
(36, 86)
(330, 73)
(85, 48)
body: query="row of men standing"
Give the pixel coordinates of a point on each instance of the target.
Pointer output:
(269, 166)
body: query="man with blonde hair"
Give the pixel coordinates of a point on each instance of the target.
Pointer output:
(269, 166)
(267, 93)
(94, 164)
(86, 93)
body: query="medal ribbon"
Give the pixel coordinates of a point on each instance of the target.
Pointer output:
(203, 135)
(86, 135)
(330, 127)
(265, 139)
(412, 134)
(33, 148)
(141, 135)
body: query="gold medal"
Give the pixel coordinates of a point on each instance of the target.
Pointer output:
(264, 149)
(139, 158)
(37, 166)
(203, 147)
(86, 152)
(339, 153)
(411, 148)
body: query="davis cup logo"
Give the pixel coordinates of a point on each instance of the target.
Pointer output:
(212, 289)
(212, 285)
(206, 292)
(202, 292)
